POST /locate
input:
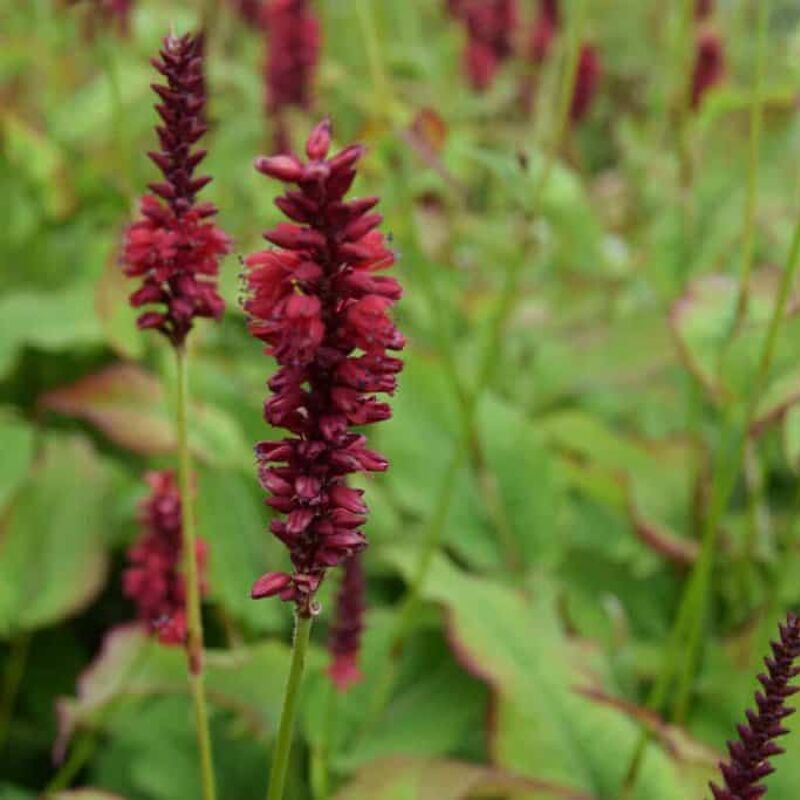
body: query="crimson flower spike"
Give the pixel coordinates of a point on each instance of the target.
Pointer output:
(543, 31)
(490, 29)
(153, 579)
(173, 247)
(709, 65)
(344, 641)
(294, 45)
(587, 80)
(323, 312)
(750, 756)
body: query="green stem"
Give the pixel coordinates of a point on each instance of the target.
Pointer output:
(756, 116)
(687, 628)
(371, 36)
(194, 621)
(12, 680)
(432, 536)
(321, 756)
(283, 744)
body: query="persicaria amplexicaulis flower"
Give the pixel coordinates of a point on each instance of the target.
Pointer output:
(490, 30)
(344, 641)
(543, 31)
(750, 755)
(294, 45)
(322, 309)
(153, 579)
(174, 247)
(709, 66)
(251, 11)
(587, 80)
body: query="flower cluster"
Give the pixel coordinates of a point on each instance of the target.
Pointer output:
(251, 11)
(587, 80)
(294, 44)
(322, 310)
(543, 31)
(749, 756)
(153, 580)
(490, 27)
(709, 65)
(173, 247)
(344, 641)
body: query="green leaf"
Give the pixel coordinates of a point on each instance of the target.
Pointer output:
(53, 321)
(52, 560)
(17, 439)
(132, 667)
(232, 519)
(543, 727)
(404, 778)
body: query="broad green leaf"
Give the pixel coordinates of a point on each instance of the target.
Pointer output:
(52, 559)
(528, 496)
(17, 438)
(53, 321)
(128, 405)
(233, 520)
(403, 778)
(248, 682)
(544, 727)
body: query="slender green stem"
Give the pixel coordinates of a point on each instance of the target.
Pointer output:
(12, 680)
(283, 743)
(321, 756)
(687, 628)
(431, 539)
(756, 116)
(194, 621)
(369, 31)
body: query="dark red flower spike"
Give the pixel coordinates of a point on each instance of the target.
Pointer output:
(319, 303)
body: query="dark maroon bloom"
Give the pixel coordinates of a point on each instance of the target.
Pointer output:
(251, 11)
(321, 307)
(703, 9)
(294, 43)
(709, 65)
(750, 756)
(490, 29)
(344, 642)
(174, 247)
(543, 31)
(153, 579)
(587, 79)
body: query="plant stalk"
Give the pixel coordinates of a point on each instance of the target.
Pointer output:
(194, 622)
(283, 744)
(756, 117)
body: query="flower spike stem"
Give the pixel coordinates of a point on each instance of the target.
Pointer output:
(283, 744)
(194, 623)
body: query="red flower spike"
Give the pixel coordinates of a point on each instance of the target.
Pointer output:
(750, 756)
(543, 31)
(344, 641)
(587, 80)
(709, 66)
(294, 45)
(323, 313)
(173, 247)
(153, 579)
(490, 28)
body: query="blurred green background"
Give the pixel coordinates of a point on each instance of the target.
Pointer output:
(573, 374)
